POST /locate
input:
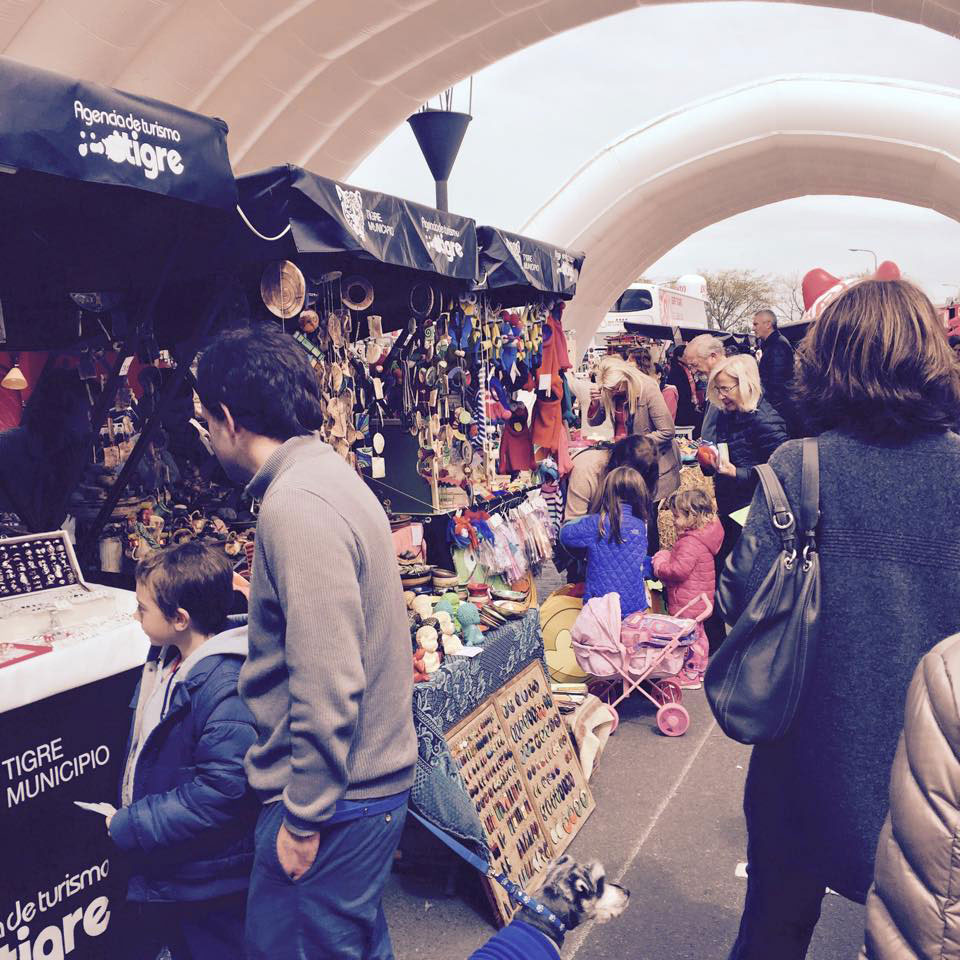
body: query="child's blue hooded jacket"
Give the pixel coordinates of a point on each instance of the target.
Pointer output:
(189, 829)
(613, 567)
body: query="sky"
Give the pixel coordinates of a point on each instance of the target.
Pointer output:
(543, 112)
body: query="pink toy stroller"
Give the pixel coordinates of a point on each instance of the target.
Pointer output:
(645, 648)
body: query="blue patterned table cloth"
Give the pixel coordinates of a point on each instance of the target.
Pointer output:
(458, 688)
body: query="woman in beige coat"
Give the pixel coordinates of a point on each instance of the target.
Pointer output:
(634, 404)
(913, 908)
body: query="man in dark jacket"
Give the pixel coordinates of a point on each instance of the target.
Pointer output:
(187, 816)
(776, 362)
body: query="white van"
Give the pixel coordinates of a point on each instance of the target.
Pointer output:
(661, 308)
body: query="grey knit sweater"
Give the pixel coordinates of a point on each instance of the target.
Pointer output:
(328, 677)
(889, 539)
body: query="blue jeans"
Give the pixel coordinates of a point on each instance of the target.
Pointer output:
(190, 930)
(334, 911)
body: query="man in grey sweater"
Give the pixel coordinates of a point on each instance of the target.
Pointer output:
(328, 677)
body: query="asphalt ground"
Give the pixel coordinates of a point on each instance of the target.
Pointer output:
(668, 825)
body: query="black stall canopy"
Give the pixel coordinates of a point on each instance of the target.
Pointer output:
(315, 215)
(100, 190)
(508, 260)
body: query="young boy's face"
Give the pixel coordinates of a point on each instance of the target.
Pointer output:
(159, 630)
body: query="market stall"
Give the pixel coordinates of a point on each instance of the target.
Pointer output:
(110, 204)
(497, 769)
(376, 290)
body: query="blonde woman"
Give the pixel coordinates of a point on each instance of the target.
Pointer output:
(634, 405)
(749, 426)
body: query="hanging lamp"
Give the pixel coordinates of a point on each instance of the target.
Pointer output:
(14, 379)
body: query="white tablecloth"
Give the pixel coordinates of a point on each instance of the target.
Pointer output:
(118, 648)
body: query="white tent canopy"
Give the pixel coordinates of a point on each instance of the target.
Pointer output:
(773, 140)
(318, 83)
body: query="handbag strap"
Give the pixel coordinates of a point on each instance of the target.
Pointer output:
(781, 515)
(810, 492)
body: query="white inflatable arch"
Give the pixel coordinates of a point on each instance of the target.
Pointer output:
(773, 140)
(314, 82)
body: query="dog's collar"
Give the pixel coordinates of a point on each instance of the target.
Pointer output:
(547, 932)
(518, 895)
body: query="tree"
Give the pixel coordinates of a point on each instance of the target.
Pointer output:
(734, 296)
(788, 298)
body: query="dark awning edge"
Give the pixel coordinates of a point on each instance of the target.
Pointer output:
(85, 131)
(330, 217)
(511, 260)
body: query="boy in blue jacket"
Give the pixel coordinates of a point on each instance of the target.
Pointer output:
(187, 815)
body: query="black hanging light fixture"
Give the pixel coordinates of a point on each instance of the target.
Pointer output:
(440, 133)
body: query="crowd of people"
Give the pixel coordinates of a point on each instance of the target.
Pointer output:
(877, 382)
(268, 769)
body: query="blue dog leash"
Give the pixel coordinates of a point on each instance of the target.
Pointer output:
(514, 891)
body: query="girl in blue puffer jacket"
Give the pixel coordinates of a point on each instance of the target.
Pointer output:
(614, 534)
(187, 815)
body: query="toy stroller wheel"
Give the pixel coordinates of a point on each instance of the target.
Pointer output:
(673, 720)
(667, 691)
(604, 690)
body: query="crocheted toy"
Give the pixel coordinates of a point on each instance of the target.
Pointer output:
(449, 603)
(469, 616)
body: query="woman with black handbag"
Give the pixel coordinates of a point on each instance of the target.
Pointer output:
(877, 378)
(751, 430)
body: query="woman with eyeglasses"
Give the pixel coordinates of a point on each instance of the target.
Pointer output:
(751, 429)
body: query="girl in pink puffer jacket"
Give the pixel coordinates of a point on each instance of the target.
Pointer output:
(688, 568)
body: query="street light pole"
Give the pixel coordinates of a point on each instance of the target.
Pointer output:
(862, 250)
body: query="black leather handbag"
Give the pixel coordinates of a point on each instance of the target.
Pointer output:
(756, 679)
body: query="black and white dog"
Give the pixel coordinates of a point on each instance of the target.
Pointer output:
(574, 893)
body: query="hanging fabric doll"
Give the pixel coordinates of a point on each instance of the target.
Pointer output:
(548, 416)
(498, 401)
(516, 444)
(510, 332)
(549, 429)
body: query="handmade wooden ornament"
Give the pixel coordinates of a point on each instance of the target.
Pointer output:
(283, 289)
(309, 321)
(357, 293)
(335, 329)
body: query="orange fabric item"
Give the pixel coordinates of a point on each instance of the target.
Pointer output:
(516, 450)
(548, 417)
(556, 356)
